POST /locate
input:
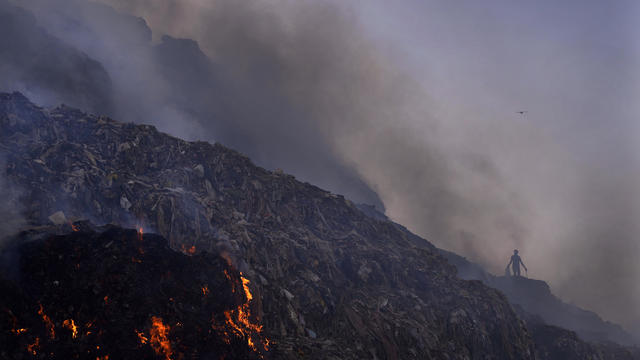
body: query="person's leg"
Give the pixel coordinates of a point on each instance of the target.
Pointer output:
(516, 271)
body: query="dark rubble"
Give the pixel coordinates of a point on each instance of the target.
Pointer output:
(535, 297)
(329, 282)
(111, 284)
(555, 343)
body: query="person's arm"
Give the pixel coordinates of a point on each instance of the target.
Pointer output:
(522, 262)
(510, 261)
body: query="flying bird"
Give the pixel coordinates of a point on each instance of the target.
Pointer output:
(521, 112)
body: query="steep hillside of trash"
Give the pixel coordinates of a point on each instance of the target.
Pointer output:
(555, 343)
(536, 298)
(72, 292)
(328, 281)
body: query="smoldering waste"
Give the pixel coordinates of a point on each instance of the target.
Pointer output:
(119, 294)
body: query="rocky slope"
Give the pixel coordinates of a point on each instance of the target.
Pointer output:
(555, 343)
(536, 298)
(329, 281)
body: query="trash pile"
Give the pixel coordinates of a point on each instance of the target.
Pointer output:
(326, 280)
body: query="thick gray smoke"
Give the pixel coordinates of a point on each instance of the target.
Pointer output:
(263, 89)
(45, 68)
(416, 101)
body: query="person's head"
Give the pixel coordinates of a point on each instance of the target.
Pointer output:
(515, 252)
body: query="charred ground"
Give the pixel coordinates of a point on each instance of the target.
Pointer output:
(115, 293)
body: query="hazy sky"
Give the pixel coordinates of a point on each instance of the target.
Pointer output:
(571, 161)
(417, 100)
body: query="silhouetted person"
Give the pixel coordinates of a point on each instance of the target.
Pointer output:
(515, 263)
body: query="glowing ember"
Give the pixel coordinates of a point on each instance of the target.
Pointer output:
(74, 227)
(14, 321)
(34, 346)
(233, 288)
(106, 357)
(47, 321)
(205, 290)
(188, 251)
(140, 233)
(159, 338)
(143, 339)
(88, 325)
(71, 325)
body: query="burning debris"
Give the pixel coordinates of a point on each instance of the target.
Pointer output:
(240, 320)
(34, 347)
(327, 281)
(47, 322)
(188, 250)
(160, 301)
(142, 337)
(160, 338)
(70, 325)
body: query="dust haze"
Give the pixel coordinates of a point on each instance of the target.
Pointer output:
(411, 105)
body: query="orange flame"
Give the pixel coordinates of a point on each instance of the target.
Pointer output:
(19, 331)
(34, 346)
(71, 325)
(74, 227)
(106, 357)
(205, 290)
(143, 339)
(159, 338)
(245, 285)
(47, 321)
(140, 233)
(240, 320)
